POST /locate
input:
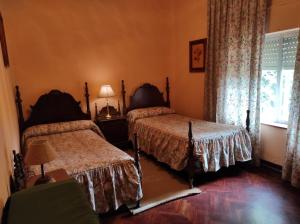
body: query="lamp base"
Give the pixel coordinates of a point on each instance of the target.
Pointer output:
(107, 109)
(108, 116)
(44, 180)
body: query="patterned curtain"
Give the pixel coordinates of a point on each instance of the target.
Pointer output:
(291, 167)
(235, 37)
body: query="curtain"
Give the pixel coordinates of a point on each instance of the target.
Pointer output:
(236, 32)
(291, 167)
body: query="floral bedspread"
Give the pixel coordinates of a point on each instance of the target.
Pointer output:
(108, 174)
(164, 135)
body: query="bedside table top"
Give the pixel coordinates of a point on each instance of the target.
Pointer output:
(115, 130)
(58, 175)
(113, 118)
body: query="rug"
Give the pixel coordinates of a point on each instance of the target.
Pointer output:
(160, 186)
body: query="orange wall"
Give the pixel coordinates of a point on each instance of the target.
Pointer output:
(189, 23)
(63, 43)
(284, 14)
(9, 137)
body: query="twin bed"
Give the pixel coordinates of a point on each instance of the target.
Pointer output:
(111, 177)
(181, 142)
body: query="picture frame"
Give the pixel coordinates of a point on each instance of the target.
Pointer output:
(197, 55)
(3, 43)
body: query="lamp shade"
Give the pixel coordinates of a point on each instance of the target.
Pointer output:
(40, 152)
(106, 91)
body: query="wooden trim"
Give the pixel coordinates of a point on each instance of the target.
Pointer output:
(275, 167)
(3, 43)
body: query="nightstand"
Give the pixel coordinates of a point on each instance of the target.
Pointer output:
(115, 130)
(58, 175)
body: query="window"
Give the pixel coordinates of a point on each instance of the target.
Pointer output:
(278, 64)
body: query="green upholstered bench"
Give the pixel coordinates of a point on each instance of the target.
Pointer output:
(56, 203)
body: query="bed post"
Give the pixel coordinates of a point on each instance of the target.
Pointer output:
(20, 110)
(123, 92)
(19, 172)
(96, 110)
(191, 163)
(248, 121)
(137, 162)
(87, 100)
(168, 104)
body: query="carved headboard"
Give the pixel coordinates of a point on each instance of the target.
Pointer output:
(145, 96)
(55, 106)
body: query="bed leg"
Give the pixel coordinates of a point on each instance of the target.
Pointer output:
(138, 204)
(137, 163)
(191, 159)
(137, 156)
(191, 180)
(248, 121)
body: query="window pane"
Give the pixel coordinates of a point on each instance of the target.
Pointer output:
(268, 95)
(286, 83)
(278, 64)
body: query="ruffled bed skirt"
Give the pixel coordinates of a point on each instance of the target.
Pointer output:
(110, 187)
(166, 138)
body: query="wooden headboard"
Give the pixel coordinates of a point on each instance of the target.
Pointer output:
(52, 107)
(145, 96)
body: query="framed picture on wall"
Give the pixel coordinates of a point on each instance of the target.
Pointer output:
(3, 43)
(197, 55)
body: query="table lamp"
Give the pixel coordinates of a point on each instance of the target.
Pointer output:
(40, 152)
(105, 92)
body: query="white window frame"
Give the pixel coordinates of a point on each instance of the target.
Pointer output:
(279, 68)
